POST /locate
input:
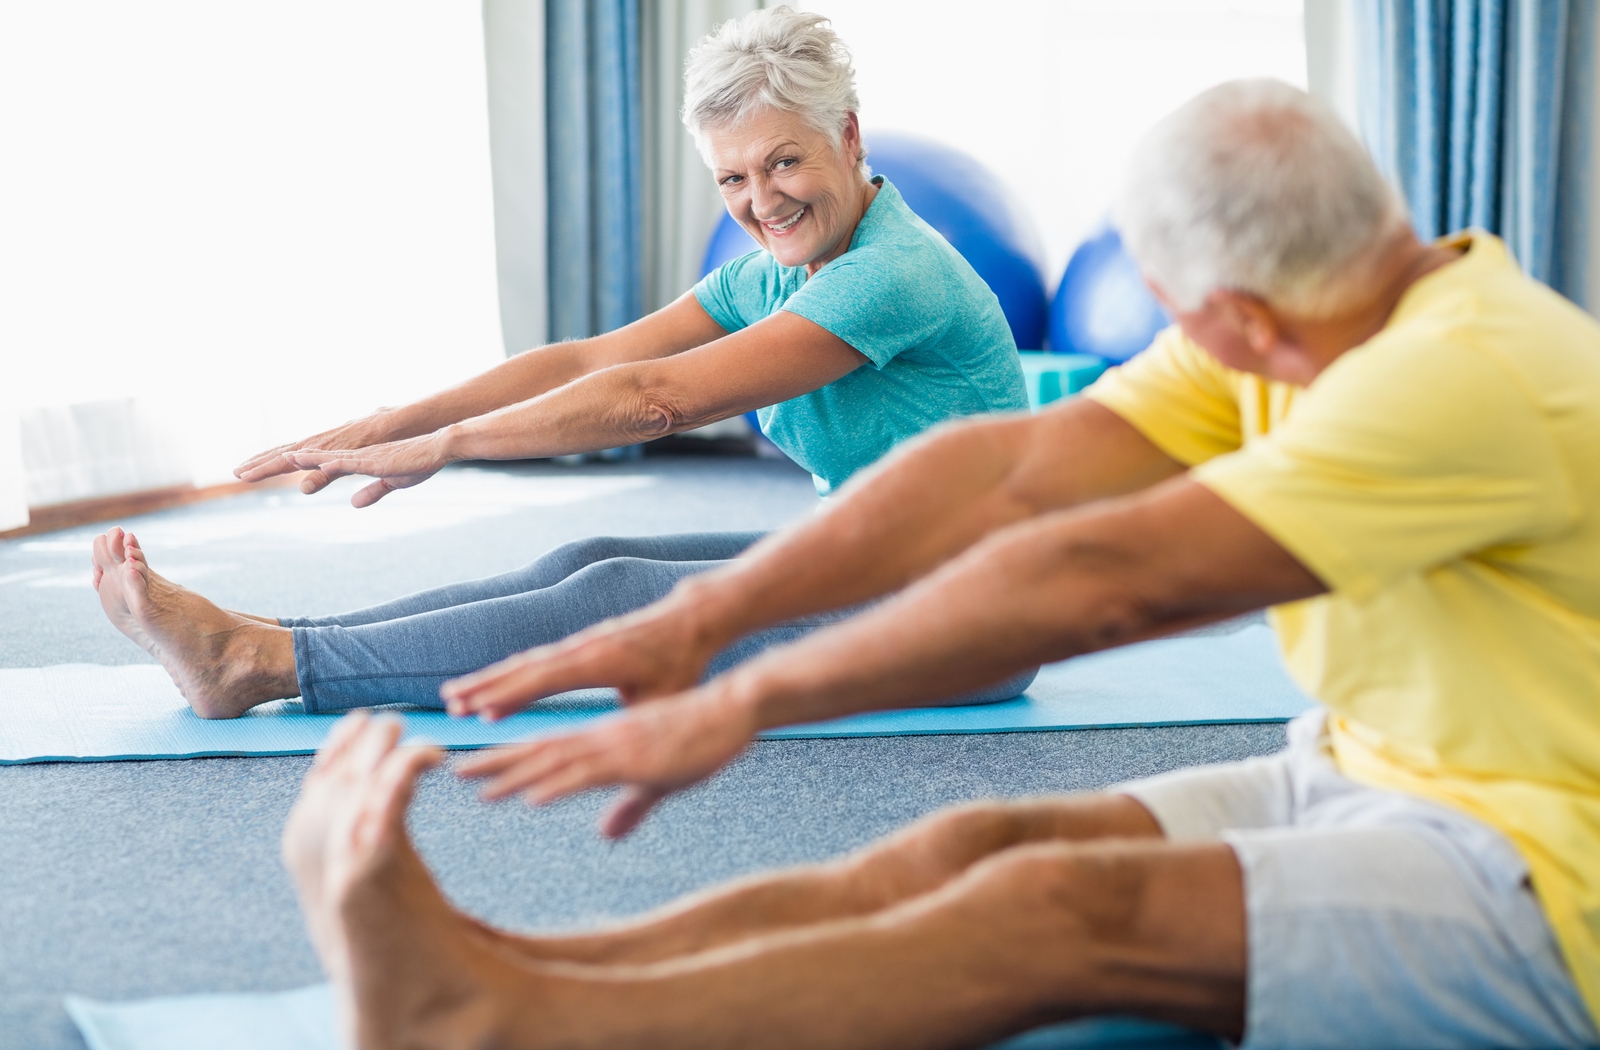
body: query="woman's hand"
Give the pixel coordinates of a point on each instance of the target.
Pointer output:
(396, 464)
(358, 433)
(651, 653)
(653, 750)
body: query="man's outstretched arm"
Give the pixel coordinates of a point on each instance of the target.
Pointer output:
(895, 523)
(1063, 584)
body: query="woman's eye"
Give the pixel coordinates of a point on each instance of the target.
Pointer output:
(785, 163)
(732, 180)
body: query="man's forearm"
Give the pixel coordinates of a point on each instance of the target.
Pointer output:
(1064, 584)
(920, 507)
(1003, 606)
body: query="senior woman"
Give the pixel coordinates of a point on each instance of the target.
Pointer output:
(855, 328)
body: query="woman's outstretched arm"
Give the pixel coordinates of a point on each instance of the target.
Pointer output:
(775, 359)
(671, 330)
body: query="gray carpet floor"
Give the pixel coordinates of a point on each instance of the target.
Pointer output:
(131, 879)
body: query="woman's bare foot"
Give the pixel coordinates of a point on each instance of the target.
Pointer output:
(408, 969)
(224, 663)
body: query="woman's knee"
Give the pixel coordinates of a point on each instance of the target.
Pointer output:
(1009, 689)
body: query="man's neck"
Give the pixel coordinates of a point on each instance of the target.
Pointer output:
(1401, 263)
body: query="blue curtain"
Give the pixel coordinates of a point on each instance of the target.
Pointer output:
(595, 156)
(1480, 112)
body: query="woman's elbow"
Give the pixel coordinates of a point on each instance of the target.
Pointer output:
(649, 412)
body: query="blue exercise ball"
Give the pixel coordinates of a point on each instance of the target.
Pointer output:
(1102, 305)
(970, 208)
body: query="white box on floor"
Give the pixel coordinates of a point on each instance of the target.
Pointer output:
(13, 479)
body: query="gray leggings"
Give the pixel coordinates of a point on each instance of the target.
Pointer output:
(400, 652)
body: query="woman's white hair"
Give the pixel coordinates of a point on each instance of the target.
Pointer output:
(1254, 186)
(777, 58)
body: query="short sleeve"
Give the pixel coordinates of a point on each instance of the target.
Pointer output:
(1178, 396)
(741, 291)
(881, 299)
(1398, 459)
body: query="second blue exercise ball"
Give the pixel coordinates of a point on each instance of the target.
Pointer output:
(1102, 305)
(968, 205)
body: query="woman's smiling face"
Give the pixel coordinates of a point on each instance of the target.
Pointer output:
(797, 194)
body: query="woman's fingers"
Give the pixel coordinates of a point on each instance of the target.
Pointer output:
(371, 494)
(265, 464)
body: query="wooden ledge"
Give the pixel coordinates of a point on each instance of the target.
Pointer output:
(129, 504)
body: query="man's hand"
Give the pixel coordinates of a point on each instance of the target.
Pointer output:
(651, 653)
(358, 433)
(396, 464)
(653, 750)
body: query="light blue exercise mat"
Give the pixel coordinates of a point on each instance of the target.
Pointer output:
(84, 712)
(305, 1019)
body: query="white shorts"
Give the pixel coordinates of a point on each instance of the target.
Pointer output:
(1376, 919)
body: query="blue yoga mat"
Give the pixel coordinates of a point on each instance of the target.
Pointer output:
(306, 1019)
(84, 712)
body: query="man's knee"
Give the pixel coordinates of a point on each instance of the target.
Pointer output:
(1072, 892)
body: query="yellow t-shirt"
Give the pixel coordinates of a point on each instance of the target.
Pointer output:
(1443, 480)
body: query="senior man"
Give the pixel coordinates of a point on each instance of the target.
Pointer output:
(1394, 445)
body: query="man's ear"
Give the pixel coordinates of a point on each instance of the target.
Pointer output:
(1251, 317)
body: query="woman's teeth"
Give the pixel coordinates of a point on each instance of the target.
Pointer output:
(779, 227)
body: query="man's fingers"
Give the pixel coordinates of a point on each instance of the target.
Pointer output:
(581, 774)
(494, 760)
(539, 761)
(634, 805)
(536, 766)
(513, 683)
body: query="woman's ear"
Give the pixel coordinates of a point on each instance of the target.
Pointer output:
(850, 138)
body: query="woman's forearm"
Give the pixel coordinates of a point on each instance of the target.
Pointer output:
(512, 381)
(616, 406)
(680, 326)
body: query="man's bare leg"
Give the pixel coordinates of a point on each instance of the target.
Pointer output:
(224, 663)
(914, 860)
(1029, 935)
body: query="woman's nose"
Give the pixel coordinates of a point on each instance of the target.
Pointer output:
(765, 201)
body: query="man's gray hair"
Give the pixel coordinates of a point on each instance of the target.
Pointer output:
(1254, 186)
(776, 58)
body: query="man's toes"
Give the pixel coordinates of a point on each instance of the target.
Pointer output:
(101, 552)
(395, 785)
(339, 739)
(374, 739)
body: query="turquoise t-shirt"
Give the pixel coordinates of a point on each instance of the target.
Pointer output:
(938, 344)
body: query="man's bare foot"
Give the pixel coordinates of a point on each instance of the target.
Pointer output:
(408, 969)
(224, 663)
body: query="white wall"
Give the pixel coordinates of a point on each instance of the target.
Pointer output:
(1053, 94)
(256, 219)
(513, 33)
